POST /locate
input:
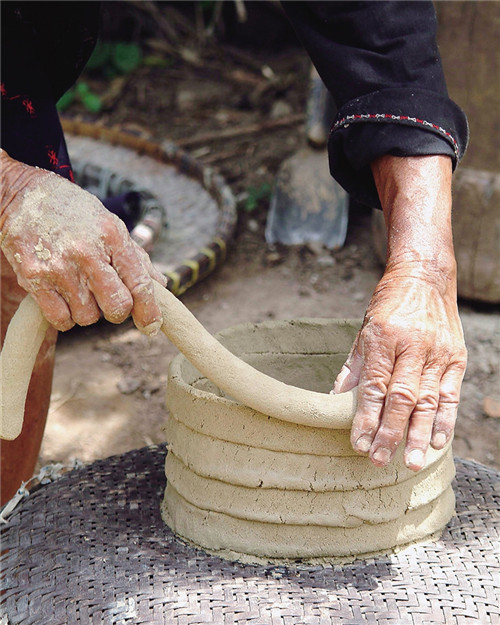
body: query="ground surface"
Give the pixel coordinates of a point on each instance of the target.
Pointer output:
(109, 386)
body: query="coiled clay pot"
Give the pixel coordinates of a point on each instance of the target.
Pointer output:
(248, 486)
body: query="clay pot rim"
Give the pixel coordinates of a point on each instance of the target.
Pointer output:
(175, 373)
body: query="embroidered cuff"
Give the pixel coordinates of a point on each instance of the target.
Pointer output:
(401, 122)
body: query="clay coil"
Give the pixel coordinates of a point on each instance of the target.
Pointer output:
(348, 508)
(219, 533)
(254, 467)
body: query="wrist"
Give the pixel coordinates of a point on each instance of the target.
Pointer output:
(15, 176)
(429, 274)
(415, 193)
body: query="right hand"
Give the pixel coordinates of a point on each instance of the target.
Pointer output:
(71, 254)
(409, 358)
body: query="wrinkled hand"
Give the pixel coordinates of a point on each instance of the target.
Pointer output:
(409, 361)
(74, 257)
(409, 358)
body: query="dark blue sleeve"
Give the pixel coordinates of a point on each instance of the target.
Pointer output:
(44, 47)
(381, 63)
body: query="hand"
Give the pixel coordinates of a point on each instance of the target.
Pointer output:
(409, 358)
(74, 257)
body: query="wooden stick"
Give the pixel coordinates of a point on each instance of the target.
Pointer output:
(240, 131)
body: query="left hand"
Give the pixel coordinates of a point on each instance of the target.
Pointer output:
(71, 254)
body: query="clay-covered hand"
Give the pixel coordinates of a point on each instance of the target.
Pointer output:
(74, 256)
(409, 358)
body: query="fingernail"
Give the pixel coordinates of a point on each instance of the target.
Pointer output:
(363, 444)
(439, 440)
(151, 329)
(344, 372)
(382, 455)
(415, 458)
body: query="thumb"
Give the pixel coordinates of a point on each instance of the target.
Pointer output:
(348, 376)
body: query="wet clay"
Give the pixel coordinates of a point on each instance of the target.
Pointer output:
(248, 485)
(239, 379)
(236, 377)
(23, 339)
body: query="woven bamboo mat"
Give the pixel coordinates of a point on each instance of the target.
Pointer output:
(91, 548)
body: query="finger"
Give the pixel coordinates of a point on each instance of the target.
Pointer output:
(373, 382)
(82, 303)
(149, 266)
(111, 295)
(449, 397)
(350, 373)
(422, 418)
(400, 401)
(130, 266)
(54, 309)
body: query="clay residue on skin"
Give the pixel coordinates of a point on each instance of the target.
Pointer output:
(42, 252)
(53, 214)
(51, 227)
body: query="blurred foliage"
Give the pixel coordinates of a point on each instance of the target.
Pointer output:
(80, 92)
(115, 58)
(255, 195)
(153, 60)
(109, 60)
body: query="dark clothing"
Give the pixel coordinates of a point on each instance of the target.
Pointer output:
(381, 63)
(45, 46)
(379, 60)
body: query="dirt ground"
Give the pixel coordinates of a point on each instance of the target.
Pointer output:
(109, 385)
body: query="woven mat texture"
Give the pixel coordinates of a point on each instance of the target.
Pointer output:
(91, 548)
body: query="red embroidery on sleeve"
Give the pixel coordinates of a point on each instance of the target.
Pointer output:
(54, 161)
(28, 105)
(349, 119)
(53, 158)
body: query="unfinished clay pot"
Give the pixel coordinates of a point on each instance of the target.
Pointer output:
(249, 486)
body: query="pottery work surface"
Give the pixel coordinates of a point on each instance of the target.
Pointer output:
(249, 486)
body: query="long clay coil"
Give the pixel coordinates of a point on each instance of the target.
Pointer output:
(234, 376)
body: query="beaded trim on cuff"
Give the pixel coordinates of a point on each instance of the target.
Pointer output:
(382, 117)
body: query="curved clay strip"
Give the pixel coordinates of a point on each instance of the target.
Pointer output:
(249, 386)
(241, 381)
(24, 337)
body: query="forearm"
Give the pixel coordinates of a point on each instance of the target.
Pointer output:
(381, 63)
(415, 193)
(13, 177)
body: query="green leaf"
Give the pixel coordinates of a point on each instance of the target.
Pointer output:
(82, 88)
(126, 56)
(255, 194)
(92, 102)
